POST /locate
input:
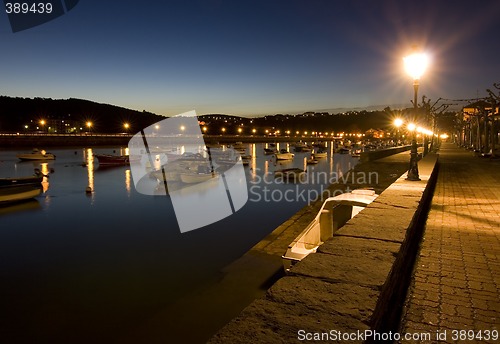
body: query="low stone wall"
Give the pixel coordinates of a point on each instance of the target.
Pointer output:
(382, 153)
(357, 280)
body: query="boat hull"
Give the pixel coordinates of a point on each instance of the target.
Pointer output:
(334, 213)
(284, 156)
(112, 160)
(20, 189)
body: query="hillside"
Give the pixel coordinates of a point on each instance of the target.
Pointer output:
(68, 115)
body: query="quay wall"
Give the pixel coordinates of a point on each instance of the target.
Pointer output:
(356, 282)
(382, 153)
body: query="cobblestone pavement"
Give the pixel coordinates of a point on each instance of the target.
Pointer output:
(455, 292)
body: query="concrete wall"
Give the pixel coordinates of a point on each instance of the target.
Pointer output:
(357, 280)
(382, 153)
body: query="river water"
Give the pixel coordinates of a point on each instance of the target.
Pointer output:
(79, 266)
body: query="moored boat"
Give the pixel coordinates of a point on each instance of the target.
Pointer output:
(269, 151)
(343, 150)
(112, 160)
(320, 153)
(333, 214)
(312, 161)
(19, 189)
(36, 155)
(284, 155)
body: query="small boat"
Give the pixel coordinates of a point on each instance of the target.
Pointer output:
(312, 161)
(36, 155)
(20, 189)
(284, 155)
(320, 154)
(112, 160)
(290, 174)
(301, 147)
(333, 214)
(343, 150)
(269, 151)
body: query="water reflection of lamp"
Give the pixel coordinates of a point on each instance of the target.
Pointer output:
(127, 181)
(45, 180)
(90, 171)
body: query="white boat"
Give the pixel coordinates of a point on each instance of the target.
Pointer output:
(290, 174)
(36, 155)
(312, 161)
(284, 155)
(334, 213)
(320, 154)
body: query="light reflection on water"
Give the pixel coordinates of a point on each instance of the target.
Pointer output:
(117, 254)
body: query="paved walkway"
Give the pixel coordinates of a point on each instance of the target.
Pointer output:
(456, 282)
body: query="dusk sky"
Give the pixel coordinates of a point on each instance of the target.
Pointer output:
(253, 57)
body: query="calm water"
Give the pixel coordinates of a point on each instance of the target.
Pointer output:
(76, 267)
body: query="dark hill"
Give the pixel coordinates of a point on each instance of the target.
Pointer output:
(64, 115)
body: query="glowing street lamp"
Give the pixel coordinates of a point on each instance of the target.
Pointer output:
(415, 65)
(126, 126)
(89, 125)
(398, 122)
(42, 124)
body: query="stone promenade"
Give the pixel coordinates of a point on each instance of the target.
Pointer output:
(456, 281)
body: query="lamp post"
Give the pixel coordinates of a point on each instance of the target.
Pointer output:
(415, 65)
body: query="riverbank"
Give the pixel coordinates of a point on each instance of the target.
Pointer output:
(43, 141)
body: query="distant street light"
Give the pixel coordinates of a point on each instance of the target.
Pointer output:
(398, 122)
(415, 65)
(126, 126)
(89, 125)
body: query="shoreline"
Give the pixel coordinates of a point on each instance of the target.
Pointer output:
(70, 140)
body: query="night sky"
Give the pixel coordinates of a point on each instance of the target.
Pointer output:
(253, 57)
